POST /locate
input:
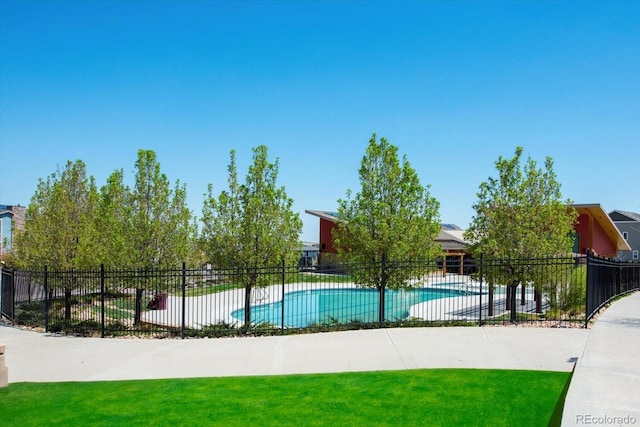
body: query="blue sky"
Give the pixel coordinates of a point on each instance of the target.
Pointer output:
(453, 84)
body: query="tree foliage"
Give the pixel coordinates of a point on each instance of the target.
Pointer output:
(113, 226)
(160, 221)
(159, 216)
(59, 221)
(392, 218)
(59, 226)
(251, 226)
(520, 214)
(70, 225)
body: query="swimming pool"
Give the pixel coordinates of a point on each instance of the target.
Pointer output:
(323, 306)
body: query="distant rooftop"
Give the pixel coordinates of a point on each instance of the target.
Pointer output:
(450, 227)
(333, 217)
(633, 216)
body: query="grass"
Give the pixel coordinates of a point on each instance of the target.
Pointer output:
(213, 288)
(419, 397)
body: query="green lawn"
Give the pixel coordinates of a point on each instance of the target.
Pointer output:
(306, 278)
(404, 398)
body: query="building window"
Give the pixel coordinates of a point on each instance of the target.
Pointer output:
(635, 254)
(625, 235)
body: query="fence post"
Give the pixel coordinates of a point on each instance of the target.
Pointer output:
(8, 292)
(619, 278)
(46, 299)
(480, 302)
(28, 289)
(13, 293)
(282, 314)
(383, 285)
(184, 297)
(588, 291)
(102, 317)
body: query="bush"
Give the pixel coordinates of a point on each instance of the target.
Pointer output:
(115, 329)
(30, 314)
(221, 329)
(573, 296)
(85, 328)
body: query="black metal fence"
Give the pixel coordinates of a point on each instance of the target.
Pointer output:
(218, 302)
(607, 279)
(7, 296)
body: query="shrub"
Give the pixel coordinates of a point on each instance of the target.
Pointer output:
(84, 328)
(30, 314)
(572, 297)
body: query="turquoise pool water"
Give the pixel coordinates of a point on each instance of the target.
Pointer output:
(322, 306)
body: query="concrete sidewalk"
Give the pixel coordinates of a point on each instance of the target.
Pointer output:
(605, 388)
(36, 357)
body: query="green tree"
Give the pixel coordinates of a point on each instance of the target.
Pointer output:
(161, 222)
(392, 219)
(520, 215)
(251, 226)
(113, 224)
(33, 247)
(59, 226)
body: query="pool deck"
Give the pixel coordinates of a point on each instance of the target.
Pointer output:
(217, 308)
(604, 383)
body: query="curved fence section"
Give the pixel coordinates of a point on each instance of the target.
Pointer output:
(212, 302)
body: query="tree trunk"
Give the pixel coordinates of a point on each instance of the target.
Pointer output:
(138, 307)
(512, 302)
(490, 302)
(538, 298)
(67, 304)
(523, 295)
(247, 306)
(381, 289)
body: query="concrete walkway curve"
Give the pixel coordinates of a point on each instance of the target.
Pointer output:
(605, 387)
(37, 357)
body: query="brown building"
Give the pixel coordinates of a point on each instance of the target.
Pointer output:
(12, 218)
(450, 238)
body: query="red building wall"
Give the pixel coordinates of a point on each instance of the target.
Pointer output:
(592, 235)
(326, 240)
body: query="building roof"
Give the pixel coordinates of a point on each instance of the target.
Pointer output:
(457, 235)
(451, 240)
(450, 235)
(599, 214)
(451, 227)
(631, 216)
(328, 215)
(310, 246)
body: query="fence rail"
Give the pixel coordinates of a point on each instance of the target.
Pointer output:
(283, 299)
(608, 279)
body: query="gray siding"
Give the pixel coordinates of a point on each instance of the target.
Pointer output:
(633, 239)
